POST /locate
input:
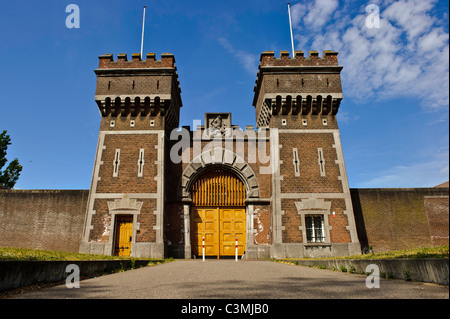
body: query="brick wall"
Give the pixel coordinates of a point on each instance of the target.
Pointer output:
(436, 208)
(310, 179)
(127, 180)
(42, 219)
(394, 219)
(386, 219)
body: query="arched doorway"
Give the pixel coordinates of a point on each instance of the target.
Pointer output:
(218, 213)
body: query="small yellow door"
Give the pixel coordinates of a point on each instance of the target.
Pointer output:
(124, 235)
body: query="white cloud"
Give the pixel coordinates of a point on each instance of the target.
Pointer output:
(432, 41)
(407, 56)
(314, 14)
(298, 11)
(319, 12)
(346, 117)
(429, 173)
(411, 16)
(248, 61)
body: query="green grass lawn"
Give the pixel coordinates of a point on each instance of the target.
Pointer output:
(37, 254)
(428, 252)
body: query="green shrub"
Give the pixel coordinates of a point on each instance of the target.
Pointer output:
(406, 274)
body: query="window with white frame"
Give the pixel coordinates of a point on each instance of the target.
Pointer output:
(314, 229)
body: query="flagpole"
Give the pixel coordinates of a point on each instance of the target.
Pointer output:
(290, 24)
(142, 39)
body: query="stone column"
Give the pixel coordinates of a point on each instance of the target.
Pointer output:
(187, 229)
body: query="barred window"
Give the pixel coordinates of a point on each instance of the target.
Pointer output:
(314, 229)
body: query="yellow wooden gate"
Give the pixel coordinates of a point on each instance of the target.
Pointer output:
(124, 235)
(204, 223)
(219, 227)
(218, 214)
(231, 226)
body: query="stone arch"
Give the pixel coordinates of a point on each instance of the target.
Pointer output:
(224, 158)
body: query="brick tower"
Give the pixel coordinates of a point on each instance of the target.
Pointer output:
(139, 103)
(299, 98)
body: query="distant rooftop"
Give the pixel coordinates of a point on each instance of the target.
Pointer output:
(443, 185)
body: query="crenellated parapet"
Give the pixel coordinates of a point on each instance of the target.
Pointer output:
(107, 61)
(313, 59)
(297, 86)
(136, 87)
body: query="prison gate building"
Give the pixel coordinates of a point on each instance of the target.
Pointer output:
(279, 189)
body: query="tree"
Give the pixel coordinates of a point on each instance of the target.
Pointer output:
(10, 175)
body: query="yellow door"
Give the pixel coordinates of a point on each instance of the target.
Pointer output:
(204, 223)
(124, 235)
(231, 226)
(219, 226)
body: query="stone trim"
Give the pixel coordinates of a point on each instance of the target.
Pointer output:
(159, 227)
(95, 178)
(225, 158)
(125, 203)
(314, 206)
(123, 206)
(277, 225)
(351, 227)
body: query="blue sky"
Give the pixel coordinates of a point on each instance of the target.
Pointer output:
(394, 118)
